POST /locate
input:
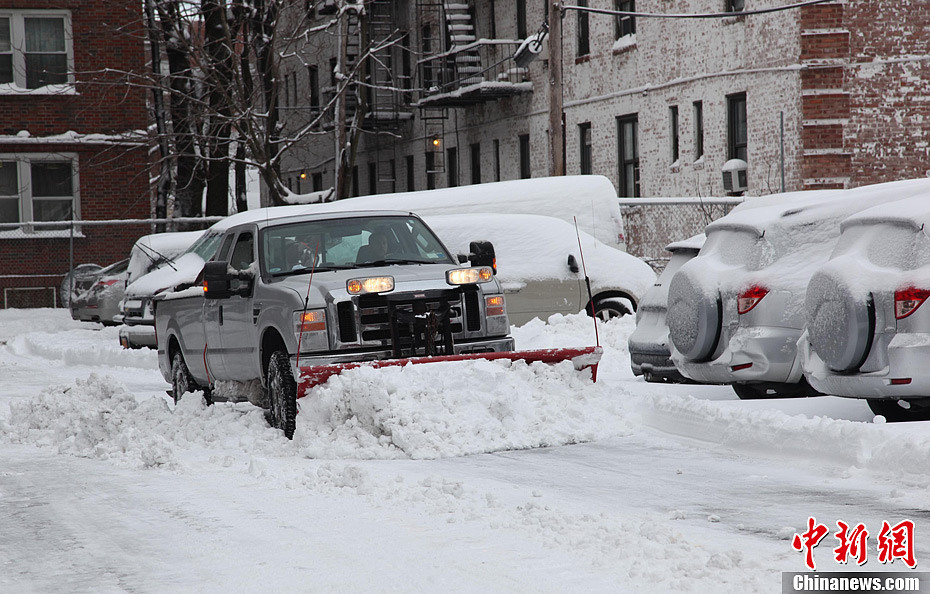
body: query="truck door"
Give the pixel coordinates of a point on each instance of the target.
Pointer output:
(212, 310)
(238, 317)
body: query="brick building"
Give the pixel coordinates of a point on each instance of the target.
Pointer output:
(832, 95)
(69, 138)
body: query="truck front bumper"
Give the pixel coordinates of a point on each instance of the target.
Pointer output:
(487, 345)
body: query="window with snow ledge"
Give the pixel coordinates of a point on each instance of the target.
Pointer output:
(38, 188)
(36, 52)
(624, 26)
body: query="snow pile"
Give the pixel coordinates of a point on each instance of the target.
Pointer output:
(453, 409)
(80, 347)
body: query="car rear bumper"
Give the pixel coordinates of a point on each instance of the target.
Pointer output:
(136, 337)
(753, 354)
(907, 356)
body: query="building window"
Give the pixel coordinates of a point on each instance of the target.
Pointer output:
(673, 131)
(392, 169)
(476, 163)
(35, 48)
(373, 178)
(427, 47)
(317, 182)
(735, 5)
(37, 187)
(492, 24)
(453, 166)
(737, 134)
(624, 25)
(583, 32)
(430, 166)
(411, 174)
(497, 160)
(584, 147)
(313, 75)
(698, 109)
(525, 172)
(521, 19)
(628, 151)
(355, 184)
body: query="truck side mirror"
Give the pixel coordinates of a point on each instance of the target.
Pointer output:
(462, 258)
(482, 254)
(572, 263)
(216, 281)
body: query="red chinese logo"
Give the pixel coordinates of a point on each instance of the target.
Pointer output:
(894, 542)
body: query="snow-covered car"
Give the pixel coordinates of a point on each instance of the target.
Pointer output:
(589, 200)
(650, 355)
(540, 267)
(78, 280)
(99, 302)
(868, 334)
(736, 311)
(149, 253)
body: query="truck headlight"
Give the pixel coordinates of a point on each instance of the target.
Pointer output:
(469, 276)
(372, 284)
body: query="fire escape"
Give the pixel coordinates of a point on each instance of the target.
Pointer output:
(458, 69)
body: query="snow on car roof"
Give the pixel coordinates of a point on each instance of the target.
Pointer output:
(592, 199)
(794, 209)
(913, 212)
(152, 248)
(537, 247)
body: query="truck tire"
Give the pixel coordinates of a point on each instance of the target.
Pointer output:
(282, 394)
(181, 380)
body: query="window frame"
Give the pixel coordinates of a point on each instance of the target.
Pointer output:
(526, 167)
(452, 166)
(18, 47)
(585, 153)
(25, 198)
(582, 32)
(622, 162)
(737, 145)
(476, 163)
(697, 111)
(674, 134)
(620, 21)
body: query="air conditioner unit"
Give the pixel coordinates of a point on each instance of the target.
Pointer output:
(734, 176)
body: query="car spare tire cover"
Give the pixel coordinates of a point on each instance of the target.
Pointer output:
(693, 317)
(839, 325)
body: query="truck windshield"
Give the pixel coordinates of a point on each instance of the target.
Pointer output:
(357, 242)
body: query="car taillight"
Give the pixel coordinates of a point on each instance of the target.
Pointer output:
(103, 284)
(906, 301)
(749, 298)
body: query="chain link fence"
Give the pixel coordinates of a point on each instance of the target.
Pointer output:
(36, 257)
(653, 223)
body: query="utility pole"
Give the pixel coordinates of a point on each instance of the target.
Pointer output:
(556, 131)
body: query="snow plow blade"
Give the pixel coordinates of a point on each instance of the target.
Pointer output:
(581, 358)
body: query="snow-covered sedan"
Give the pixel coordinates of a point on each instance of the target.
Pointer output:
(650, 355)
(736, 311)
(868, 334)
(539, 265)
(98, 300)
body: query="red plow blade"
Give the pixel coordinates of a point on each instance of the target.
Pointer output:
(581, 358)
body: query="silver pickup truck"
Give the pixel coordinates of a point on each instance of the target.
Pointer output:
(335, 287)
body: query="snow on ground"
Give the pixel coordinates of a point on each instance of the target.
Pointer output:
(472, 476)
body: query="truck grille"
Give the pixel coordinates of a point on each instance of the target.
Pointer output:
(374, 318)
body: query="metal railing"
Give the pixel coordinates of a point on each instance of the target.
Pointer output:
(653, 223)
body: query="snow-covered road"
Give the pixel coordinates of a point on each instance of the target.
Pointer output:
(468, 477)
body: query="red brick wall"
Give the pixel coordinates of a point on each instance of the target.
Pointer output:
(107, 36)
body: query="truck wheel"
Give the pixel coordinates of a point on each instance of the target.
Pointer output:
(282, 393)
(181, 380)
